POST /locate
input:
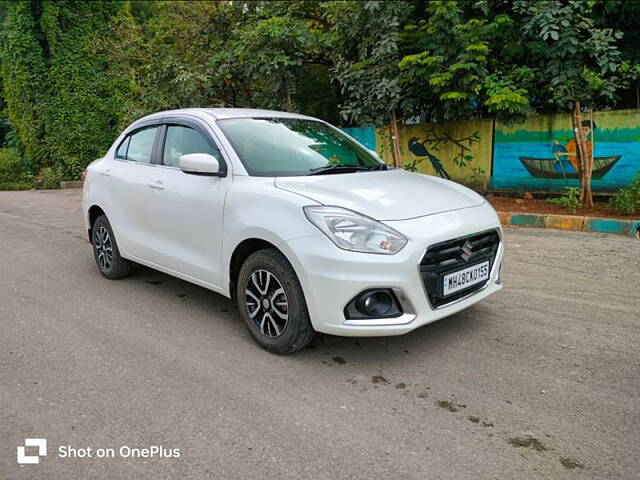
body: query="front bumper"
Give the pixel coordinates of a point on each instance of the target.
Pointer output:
(331, 277)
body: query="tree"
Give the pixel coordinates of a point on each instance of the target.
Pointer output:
(276, 57)
(264, 59)
(578, 67)
(161, 49)
(366, 39)
(463, 64)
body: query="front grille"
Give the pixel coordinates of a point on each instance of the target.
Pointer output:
(449, 256)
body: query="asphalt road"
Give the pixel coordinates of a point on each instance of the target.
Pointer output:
(539, 381)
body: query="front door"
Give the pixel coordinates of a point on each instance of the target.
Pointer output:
(187, 209)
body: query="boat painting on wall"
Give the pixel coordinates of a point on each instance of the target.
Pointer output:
(541, 153)
(558, 168)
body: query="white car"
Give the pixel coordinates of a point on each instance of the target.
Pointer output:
(308, 230)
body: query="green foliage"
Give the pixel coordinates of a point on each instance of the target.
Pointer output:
(265, 59)
(627, 200)
(453, 73)
(366, 44)
(82, 112)
(222, 54)
(61, 101)
(74, 73)
(23, 72)
(15, 172)
(578, 60)
(570, 200)
(48, 178)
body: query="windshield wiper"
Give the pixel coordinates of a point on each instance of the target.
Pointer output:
(338, 167)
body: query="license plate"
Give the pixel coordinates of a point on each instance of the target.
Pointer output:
(465, 278)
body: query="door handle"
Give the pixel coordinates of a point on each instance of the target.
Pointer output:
(156, 185)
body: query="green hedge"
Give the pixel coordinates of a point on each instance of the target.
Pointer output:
(15, 173)
(24, 76)
(62, 102)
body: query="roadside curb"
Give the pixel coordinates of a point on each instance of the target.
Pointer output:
(630, 228)
(73, 184)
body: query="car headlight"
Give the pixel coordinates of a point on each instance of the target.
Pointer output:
(355, 232)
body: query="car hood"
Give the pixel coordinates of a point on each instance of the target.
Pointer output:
(393, 194)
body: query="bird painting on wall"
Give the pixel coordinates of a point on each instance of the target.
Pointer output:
(420, 150)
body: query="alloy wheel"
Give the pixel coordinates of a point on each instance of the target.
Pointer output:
(102, 242)
(266, 303)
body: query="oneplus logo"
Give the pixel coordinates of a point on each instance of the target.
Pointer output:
(24, 459)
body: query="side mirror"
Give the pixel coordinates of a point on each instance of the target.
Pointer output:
(199, 164)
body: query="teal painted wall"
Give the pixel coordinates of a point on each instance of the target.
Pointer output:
(365, 135)
(524, 158)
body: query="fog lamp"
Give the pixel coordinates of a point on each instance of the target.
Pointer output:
(374, 303)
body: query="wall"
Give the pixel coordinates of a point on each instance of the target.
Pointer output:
(365, 135)
(460, 151)
(616, 148)
(518, 157)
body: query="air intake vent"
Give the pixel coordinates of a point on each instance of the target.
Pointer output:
(452, 255)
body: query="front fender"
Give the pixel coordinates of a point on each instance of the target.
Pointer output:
(255, 209)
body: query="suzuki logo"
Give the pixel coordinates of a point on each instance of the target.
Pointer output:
(467, 250)
(25, 459)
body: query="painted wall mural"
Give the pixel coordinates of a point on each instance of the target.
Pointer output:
(365, 135)
(459, 151)
(540, 154)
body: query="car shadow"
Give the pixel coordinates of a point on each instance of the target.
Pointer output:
(432, 337)
(427, 340)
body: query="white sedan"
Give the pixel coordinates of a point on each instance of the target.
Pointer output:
(308, 230)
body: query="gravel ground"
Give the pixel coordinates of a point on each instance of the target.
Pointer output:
(541, 380)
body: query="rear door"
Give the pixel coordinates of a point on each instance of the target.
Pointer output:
(130, 179)
(187, 210)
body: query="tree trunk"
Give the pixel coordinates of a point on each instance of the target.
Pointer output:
(584, 160)
(589, 169)
(574, 126)
(287, 94)
(395, 140)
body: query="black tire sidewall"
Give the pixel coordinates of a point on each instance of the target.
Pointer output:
(120, 267)
(298, 331)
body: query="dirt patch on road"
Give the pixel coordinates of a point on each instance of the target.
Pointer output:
(379, 379)
(339, 360)
(570, 463)
(450, 405)
(528, 442)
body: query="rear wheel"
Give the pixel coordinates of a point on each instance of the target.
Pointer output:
(105, 250)
(272, 303)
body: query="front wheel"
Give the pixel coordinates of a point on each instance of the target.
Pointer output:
(272, 303)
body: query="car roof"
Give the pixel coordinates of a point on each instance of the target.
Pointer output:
(225, 113)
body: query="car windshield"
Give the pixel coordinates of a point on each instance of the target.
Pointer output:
(277, 147)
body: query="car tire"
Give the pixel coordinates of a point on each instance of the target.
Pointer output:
(105, 250)
(272, 303)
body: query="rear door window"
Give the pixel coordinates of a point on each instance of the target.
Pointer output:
(138, 146)
(121, 153)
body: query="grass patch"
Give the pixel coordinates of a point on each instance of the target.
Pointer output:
(15, 173)
(11, 186)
